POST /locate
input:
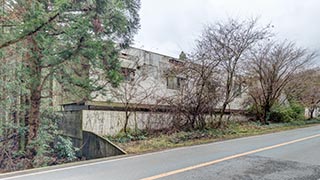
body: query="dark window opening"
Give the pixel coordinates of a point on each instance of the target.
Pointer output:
(174, 82)
(128, 74)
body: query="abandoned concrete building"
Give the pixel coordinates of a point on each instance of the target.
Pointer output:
(145, 82)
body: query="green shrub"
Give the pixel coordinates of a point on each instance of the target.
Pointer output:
(64, 149)
(47, 149)
(52, 148)
(287, 113)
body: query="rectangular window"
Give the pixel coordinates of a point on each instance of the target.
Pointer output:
(174, 82)
(171, 82)
(128, 74)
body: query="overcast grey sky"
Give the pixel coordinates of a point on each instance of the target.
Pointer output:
(170, 26)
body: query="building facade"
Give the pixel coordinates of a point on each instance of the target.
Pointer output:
(146, 82)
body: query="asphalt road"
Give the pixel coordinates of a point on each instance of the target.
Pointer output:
(286, 155)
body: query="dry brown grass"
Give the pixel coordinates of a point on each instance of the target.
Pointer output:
(158, 142)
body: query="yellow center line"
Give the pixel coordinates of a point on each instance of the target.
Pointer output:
(226, 158)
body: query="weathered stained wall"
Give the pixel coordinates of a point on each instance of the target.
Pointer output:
(106, 122)
(95, 146)
(90, 144)
(111, 122)
(109, 118)
(72, 124)
(154, 68)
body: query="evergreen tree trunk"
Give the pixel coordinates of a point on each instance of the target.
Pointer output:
(35, 69)
(34, 121)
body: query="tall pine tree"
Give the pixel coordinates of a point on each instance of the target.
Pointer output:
(65, 41)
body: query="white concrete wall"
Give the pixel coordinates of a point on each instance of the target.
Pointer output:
(148, 66)
(153, 66)
(111, 122)
(316, 113)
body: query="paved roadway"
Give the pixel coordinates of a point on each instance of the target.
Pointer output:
(286, 155)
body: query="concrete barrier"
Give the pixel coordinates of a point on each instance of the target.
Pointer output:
(90, 144)
(95, 146)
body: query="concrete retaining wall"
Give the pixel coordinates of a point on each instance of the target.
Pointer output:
(111, 122)
(72, 124)
(106, 122)
(90, 144)
(95, 146)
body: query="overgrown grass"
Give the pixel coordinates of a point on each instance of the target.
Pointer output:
(141, 142)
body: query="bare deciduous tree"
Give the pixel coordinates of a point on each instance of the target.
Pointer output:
(136, 89)
(271, 69)
(197, 95)
(306, 89)
(229, 43)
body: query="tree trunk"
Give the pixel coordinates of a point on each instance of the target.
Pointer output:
(202, 122)
(125, 127)
(35, 70)
(34, 117)
(34, 121)
(266, 112)
(223, 110)
(311, 111)
(135, 122)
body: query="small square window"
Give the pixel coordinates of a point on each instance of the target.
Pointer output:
(128, 74)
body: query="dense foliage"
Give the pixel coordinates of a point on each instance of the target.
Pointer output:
(56, 48)
(287, 113)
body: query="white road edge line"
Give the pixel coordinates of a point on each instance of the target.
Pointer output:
(125, 158)
(226, 158)
(117, 159)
